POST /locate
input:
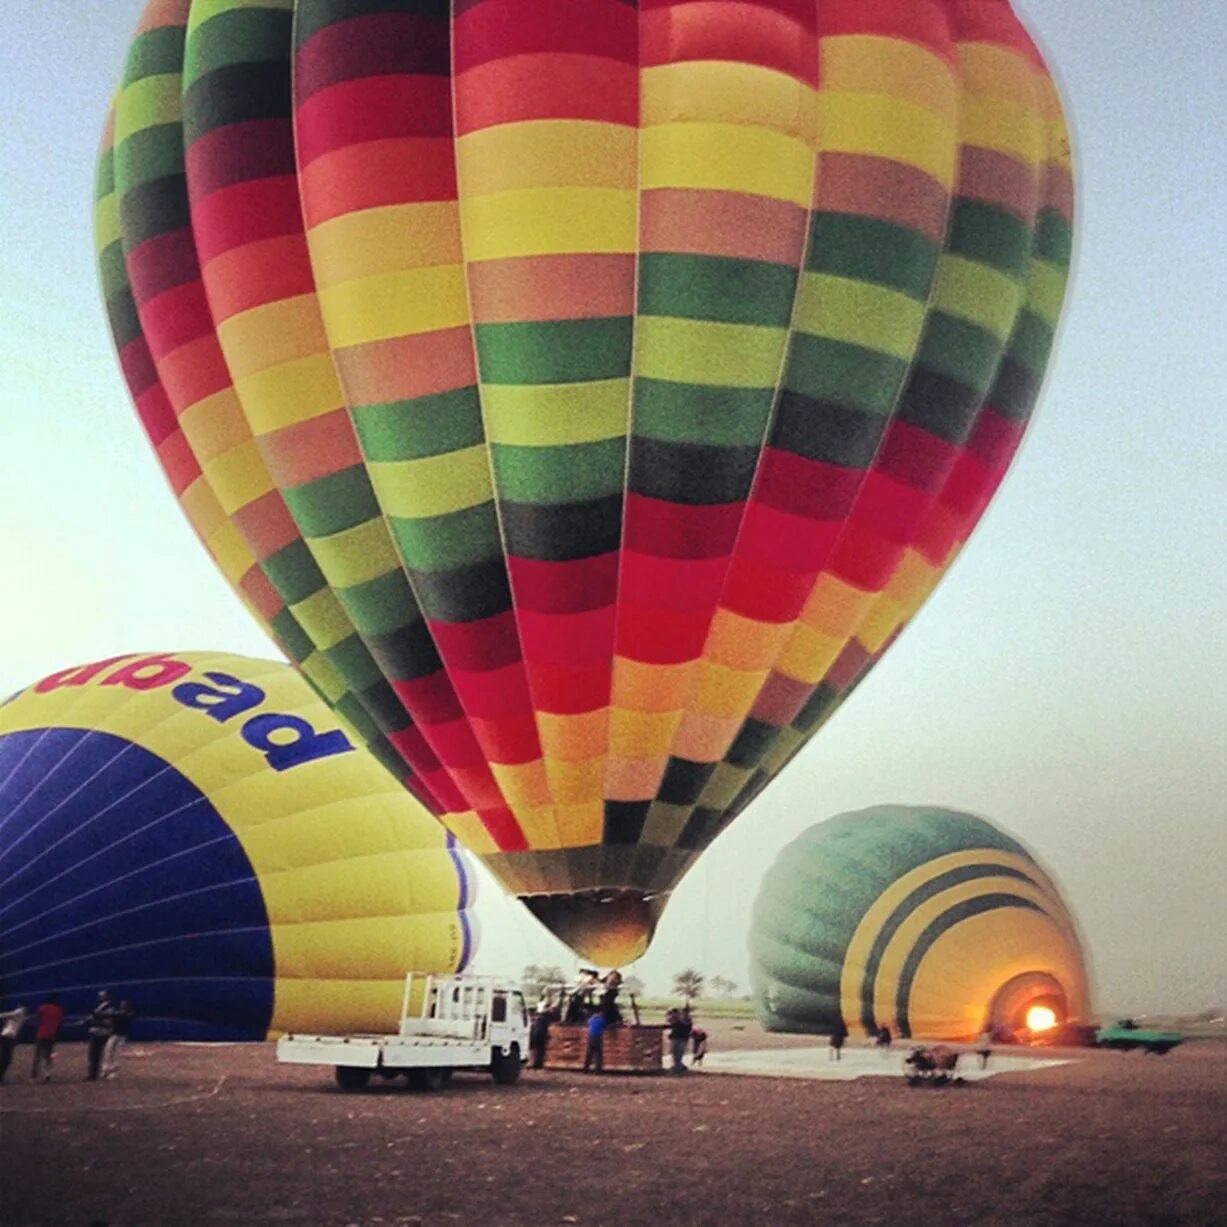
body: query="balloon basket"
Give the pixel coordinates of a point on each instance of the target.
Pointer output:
(631, 1048)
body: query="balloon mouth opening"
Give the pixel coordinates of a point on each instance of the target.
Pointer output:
(607, 926)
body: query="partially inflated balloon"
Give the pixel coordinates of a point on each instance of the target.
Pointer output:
(194, 833)
(928, 921)
(584, 393)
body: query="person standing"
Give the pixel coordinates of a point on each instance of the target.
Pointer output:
(680, 1028)
(883, 1040)
(594, 1054)
(99, 1026)
(539, 1035)
(839, 1033)
(121, 1024)
(50, 1020)
(984, 1047)
(11, 1022)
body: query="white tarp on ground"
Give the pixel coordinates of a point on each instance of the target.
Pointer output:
(856, 1063)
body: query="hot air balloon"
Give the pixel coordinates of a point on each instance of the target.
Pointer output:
(194, 832)
(928, 921)
(584, 395)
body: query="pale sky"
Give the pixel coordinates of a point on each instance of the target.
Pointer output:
(1068, 680)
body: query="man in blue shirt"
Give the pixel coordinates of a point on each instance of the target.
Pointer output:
(594, 1054)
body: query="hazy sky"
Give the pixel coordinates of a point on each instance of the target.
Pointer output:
(1070, 678)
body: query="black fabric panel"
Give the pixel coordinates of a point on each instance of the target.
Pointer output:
(562, 532)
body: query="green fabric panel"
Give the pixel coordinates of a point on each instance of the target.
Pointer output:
(332, 504)
(868, 249)
(354, 663)
(850, 375)
(379, 606)
(961, 350)
(555, 351)
(1031, 343)
(104, 177)
(311, 16)
(446, 542)
(423, 426)
(559, 474)
(294, 641)
(350, 709)
(1054, 237)
(718, 288)
(152, 153)
(292, 571)
(695, 413)
(989, 234)
(113, 274)
(237, 36)
(154, 53)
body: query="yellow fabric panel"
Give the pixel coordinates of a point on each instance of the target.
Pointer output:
(963, 970)
(541, 221)
(230, 552)
(323, 618)
(912, 582)
(522, 784)
(551, 415)
(271, 335)
(744, 643)
(786, 744)
(404, 302)
(725, 692)
(870, 64)
(540, 826)
(364, 948)
(351, 1006)
(880, 623)
(469, 829)
(582, 824)
(834, 606)
(318, 669)
(201, 507)
(239, 476)
(293, 392)
(374, 241)
(726, 157)
(636, 734)
(973, 291)
(1003, 124)
(708, 353)
(356, 555)
(574, 782)
(573, 737)
(884, 906)
(214, 425)
(889, 128)
(546, 153)
(382, 886)
(433, 485)
(723, 92)
(106, 222)
(147, 103)
(859, 313)
(203, 10)
(810, 654)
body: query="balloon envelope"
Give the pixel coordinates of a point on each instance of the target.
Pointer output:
(928, 921)
(193, 832)
(584, 395)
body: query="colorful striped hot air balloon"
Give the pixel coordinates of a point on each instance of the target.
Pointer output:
(927, 921)
(194, 833)
(584, 394)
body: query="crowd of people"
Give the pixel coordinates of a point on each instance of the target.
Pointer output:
(106, 1029)
(593, 1004)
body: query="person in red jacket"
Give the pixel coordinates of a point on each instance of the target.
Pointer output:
(50, 1017)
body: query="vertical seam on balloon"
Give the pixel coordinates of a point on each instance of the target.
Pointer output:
(489, 451)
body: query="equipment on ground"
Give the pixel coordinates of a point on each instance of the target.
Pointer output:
(468, 1022)
(1125, 1034)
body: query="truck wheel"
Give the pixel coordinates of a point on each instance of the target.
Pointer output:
(1159, 1050)
(352, 1077)
(428, 1079)
(505, 1066)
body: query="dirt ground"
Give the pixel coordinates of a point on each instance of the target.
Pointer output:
(205, 1135)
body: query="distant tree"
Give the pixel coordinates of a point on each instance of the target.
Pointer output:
(688, 984)
(722, 986)
(632, 986)
(536, 978)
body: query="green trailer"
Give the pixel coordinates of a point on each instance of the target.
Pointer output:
(1126, 1034)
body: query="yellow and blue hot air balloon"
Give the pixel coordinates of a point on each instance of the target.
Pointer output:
(930, 922)
(585, 393)
(194, 832)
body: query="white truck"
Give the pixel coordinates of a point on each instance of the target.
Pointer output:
(463, 1022)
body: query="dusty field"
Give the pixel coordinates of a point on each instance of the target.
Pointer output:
(223, 1135)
